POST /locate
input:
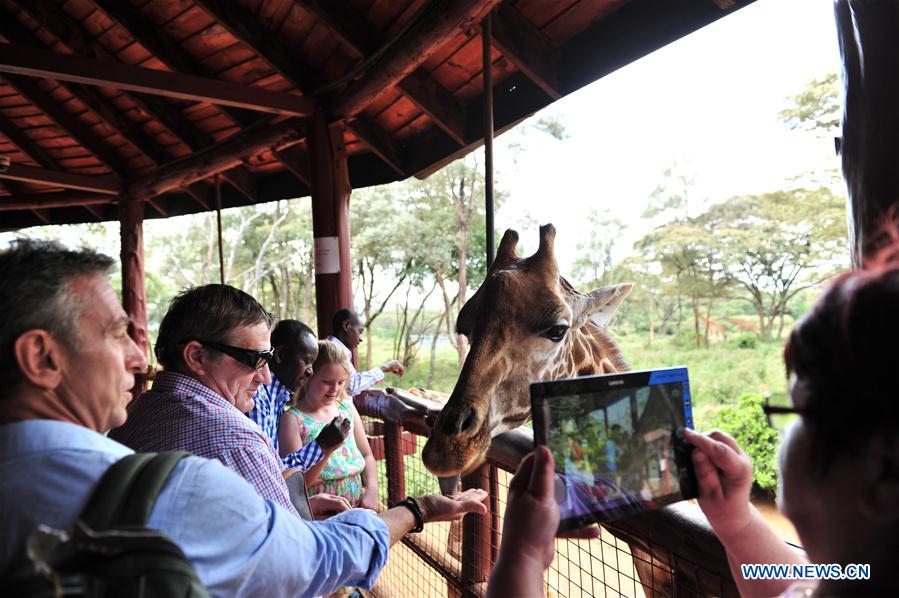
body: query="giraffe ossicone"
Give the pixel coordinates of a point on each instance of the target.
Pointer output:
(525, 323)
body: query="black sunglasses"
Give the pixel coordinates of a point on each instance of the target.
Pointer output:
(250, 358)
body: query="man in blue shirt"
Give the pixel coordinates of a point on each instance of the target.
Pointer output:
(295, 350)
(69, 367)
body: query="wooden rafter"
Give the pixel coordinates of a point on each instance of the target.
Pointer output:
(17, 33)
(43, 176)
(226, 155)
(53, 65)
(244, 26)
(422, 40)
(65, 199)
(528, 48)
(364, 38)
(169, 54)
(72, 125)
(26, 145)
(296, 160)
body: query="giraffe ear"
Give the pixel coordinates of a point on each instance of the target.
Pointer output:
(600, 305)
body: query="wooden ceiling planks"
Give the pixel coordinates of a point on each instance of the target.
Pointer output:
(408, 124)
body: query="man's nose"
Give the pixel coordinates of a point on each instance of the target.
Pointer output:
(135, 360)
(264, 375)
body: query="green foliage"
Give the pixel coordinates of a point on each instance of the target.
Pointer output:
(746, 422)
(745, 340)
(815, 108)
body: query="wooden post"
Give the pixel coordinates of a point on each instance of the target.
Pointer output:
(330, 219)
(134, 294)
(396, 467)
(477, 552)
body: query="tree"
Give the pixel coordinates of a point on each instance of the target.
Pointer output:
(689, 254)
(672, 195)
(595, 253)
(374, 216)
(777, 244)
(815, 108)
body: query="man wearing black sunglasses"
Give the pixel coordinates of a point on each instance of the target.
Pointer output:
(214, 346)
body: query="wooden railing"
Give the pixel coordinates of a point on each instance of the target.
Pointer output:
(672, 551)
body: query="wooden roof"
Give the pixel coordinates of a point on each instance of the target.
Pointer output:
(101, 98)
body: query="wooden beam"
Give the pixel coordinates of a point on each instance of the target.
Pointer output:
(244, 26)
(382, 145)
(73, 126)
(423, 39)
(365, 39)
(43, 176)
(43, 201)
(527, 48)
(296, 160)
(17, 33)
(26, 144)
(95, 211)
(201, 193)
(216, 159)
(243, 181)
(31, 62)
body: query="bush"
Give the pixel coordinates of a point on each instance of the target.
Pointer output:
(745, 340)
(747, 423)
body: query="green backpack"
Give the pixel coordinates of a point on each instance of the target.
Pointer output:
(110, 552)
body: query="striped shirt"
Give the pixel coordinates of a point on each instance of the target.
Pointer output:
(358, 381)
(269, 405)
(181, 414)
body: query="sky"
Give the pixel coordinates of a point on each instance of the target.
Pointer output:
(708, 102)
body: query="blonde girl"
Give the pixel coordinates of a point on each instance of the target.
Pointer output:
(350, 470)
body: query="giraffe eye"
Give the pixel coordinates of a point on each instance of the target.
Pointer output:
(556, 333)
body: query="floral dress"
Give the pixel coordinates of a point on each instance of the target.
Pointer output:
(342, 474)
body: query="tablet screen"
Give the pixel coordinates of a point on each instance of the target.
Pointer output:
(612, 438)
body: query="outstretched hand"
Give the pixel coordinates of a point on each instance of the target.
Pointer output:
(450, 508)
(333, 434)
(724, 477)
(394, 367)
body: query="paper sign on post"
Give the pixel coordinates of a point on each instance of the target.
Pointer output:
(327, 255)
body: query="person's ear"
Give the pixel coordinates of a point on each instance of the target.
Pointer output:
(40, 358)
(279, 351)
(881, 484)
(195, 357)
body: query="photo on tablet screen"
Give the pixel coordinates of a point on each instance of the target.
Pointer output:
(614, 442)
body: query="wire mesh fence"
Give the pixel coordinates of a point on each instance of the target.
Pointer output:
(455, 559)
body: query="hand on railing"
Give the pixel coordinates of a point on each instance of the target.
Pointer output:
(435, 507)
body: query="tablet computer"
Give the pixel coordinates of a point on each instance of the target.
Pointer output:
(617, 442)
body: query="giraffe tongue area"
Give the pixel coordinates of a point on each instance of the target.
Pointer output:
(448, 485)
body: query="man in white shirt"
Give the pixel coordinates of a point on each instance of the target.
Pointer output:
(347, 329)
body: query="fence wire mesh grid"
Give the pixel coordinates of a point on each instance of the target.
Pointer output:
(435, 562)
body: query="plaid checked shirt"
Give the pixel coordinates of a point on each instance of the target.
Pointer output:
(358, 381)
(270, 400)
(181, 414)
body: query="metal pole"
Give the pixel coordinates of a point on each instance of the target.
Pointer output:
(218, 218)
(486, 35)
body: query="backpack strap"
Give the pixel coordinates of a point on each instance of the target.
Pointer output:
(128, 490)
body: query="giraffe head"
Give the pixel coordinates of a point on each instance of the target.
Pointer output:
(525, 323)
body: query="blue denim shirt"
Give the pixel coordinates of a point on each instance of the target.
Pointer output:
(240, 544)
